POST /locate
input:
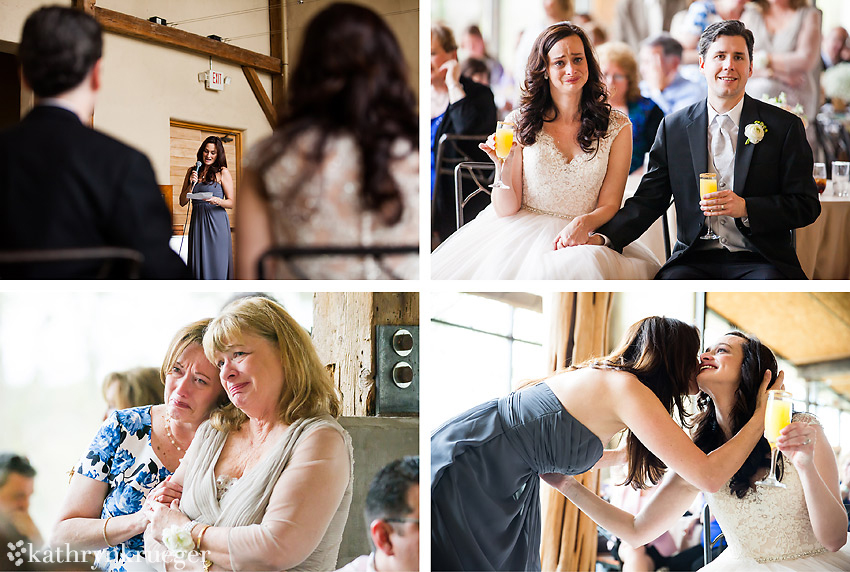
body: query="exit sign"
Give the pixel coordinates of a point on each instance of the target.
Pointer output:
(215, 80)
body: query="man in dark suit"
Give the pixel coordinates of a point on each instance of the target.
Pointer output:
(764, 176)
(63, 184)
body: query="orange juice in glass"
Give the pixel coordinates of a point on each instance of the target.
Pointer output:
(504, 138)
(776, 418)
(707, 184)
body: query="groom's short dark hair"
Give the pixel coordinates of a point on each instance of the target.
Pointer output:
(725, 28)
(59, 46)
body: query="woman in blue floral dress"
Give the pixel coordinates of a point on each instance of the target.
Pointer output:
(133, 454)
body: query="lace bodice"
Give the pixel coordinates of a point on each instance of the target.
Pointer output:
(553, 185)
(319, 204)
(768, 524)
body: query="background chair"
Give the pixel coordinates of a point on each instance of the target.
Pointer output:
(102, 262)
(287, 253)
(451, 151)
(474, 171)
(707, 543)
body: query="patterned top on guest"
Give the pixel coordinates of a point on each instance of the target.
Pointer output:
(121, 456)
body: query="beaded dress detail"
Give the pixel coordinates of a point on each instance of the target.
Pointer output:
(770, 528)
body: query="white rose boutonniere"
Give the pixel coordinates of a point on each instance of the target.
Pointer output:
(178, 541)
(755, 132)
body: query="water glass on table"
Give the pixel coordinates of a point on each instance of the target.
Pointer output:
(819, 174)
(841, 178)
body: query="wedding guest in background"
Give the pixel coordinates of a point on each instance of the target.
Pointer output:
(392, 518)
(267, 483)
(476, 70)
(17, 479)
(459, 106)
(554, 11)
(637, 20)
(620, 71)
(700, 15)
(763, 169)
(785, 58)
(96, 191)
(132, 388)
(835, 47)
(662, 83)
(210, 247)
(342, 167)
(133, 454)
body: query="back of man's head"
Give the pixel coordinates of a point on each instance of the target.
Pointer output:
(387, 496)
(668, 44)
(58, 48)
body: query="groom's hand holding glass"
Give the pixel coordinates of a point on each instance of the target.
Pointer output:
(723, 203)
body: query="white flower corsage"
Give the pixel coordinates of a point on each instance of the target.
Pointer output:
(755, 132)
(178, 540)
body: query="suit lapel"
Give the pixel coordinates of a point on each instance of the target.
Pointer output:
(744, 152)
(698, 141)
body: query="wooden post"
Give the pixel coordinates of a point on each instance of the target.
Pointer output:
(343, 332)
(276, 39)
(86, 6)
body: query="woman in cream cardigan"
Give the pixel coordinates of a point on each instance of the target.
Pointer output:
(266, 484)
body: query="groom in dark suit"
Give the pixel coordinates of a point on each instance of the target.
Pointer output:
(63, 184)
(764, 176)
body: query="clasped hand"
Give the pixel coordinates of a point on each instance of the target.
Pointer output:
(723, 203)
(576, 233)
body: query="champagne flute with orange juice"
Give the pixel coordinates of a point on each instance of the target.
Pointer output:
(707, 184)
(504, 139)
(776, 418)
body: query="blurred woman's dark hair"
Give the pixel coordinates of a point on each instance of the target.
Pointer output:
(59, 46)
(351, 78)
(708, 435)
(220, 159)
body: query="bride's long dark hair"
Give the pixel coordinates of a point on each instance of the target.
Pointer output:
(708, 435)
(536, 104)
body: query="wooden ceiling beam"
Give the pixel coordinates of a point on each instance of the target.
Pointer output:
(126, 25)
(260, 93)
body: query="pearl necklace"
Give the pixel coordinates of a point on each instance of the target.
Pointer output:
(168, 432)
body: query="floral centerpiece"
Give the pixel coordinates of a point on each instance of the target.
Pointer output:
(781, 101)
(836, 85)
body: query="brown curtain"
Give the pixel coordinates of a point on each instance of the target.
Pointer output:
(578, 330)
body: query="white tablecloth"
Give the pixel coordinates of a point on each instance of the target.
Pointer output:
(823, 247)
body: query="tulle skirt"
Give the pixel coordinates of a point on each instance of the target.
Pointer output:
(824, 562)
(520, 247)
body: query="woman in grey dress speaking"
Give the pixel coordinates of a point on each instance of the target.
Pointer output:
(485, 507)
(210, 246)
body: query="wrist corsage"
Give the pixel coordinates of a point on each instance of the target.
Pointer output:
(755, 132)
(178, 540)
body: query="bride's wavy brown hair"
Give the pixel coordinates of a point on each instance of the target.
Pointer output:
(708, 435)
(536, 104)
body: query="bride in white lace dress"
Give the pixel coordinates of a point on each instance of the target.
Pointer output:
(801, 527)
(566, 176)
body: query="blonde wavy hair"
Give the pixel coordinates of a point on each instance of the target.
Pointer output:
(308, 390)
(623, 56)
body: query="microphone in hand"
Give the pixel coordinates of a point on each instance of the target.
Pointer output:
(195, 178)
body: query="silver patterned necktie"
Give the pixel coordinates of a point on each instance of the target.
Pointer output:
(724, 153)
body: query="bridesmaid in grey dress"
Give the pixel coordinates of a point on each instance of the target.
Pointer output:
(210, 247)
(486, 463)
